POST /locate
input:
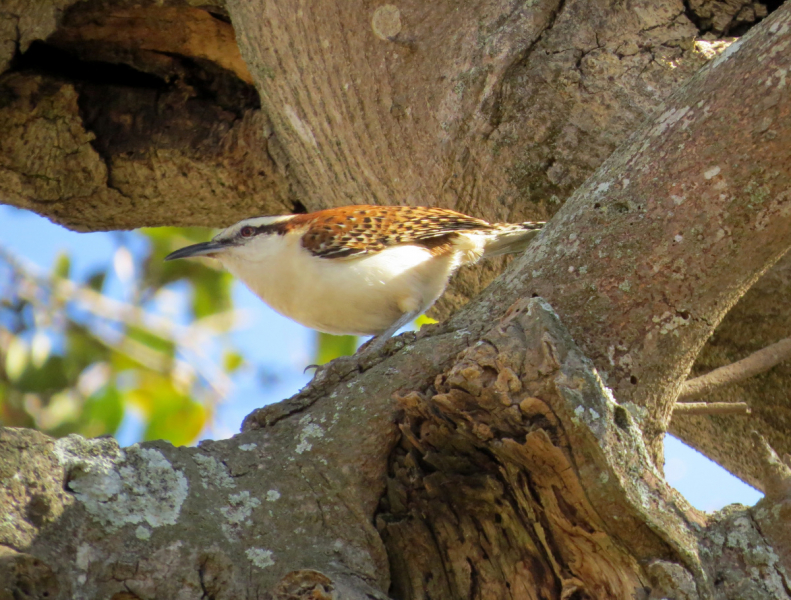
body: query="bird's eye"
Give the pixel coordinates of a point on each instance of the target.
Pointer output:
(247, 232)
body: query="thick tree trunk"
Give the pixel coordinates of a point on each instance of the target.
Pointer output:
(482, 459)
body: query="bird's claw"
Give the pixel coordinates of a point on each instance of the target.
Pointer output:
(341, 366)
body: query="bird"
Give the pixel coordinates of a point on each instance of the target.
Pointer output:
(360, 269)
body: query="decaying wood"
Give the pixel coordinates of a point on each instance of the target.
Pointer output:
(725, 18)
(110, 115)
(516, 473)
(487, 495)
(151, 33)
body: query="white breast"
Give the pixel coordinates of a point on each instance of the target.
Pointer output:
(361, 296)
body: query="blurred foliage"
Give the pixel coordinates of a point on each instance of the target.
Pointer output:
(75, 360)
(330, 347)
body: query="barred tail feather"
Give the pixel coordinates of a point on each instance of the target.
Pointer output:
(511, 239)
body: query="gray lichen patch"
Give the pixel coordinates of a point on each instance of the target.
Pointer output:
(241, 507)
(117, 487)
(309, 430)
(213, 472)
(746, 565)
(260, 557)
(75, 453)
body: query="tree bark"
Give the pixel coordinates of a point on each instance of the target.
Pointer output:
(652, 263)
(512, 451)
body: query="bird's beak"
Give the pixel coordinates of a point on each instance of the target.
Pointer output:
(203, 249)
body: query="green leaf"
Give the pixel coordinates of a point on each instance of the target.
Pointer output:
(16, 359)
(50, 377)
(153, 341)
(212, 293)
(103, 412)
(121, 362)
(96, 281)
(82, 349)
(165, 240)
(62, 266)
(329, 347)
(231, 361)
(178, 422)
(212, 286)
(170, 413)
(424, 320)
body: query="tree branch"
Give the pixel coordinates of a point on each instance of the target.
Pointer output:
(549, 482)
(646, 258)
(757, 362)
(711, 408)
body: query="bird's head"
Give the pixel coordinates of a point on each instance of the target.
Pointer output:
(247, 240)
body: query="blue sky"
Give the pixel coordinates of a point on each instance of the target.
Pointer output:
(281, 348)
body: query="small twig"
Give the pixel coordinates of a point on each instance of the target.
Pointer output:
(711, 408)
(756, 363)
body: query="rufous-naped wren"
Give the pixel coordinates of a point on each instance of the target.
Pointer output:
(362, 270)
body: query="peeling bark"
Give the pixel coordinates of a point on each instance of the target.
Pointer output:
(518, 475)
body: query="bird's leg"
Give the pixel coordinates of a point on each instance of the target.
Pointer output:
(376, 343)
(370, 347)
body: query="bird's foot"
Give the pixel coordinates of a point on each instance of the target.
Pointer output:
(338, 368)
(368, 355)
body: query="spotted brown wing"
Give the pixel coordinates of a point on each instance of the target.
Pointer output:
(357, 230)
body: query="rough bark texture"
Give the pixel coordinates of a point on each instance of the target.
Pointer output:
(484, 458)
(660, 234)
(497, 109)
